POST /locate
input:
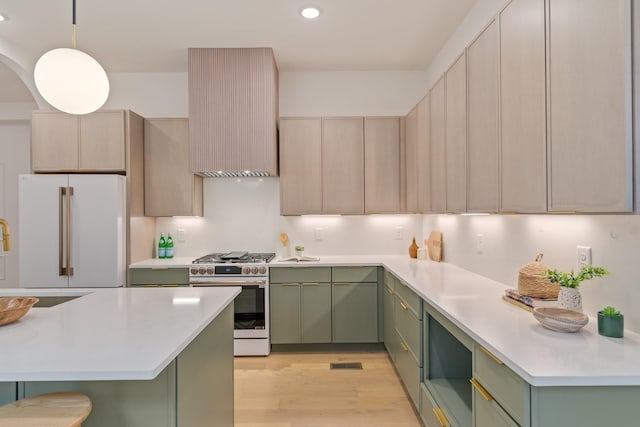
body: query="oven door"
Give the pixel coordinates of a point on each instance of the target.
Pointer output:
(251, 306)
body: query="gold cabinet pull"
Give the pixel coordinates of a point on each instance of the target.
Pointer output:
(389, 291)
(341, 284)
(481, 389)
(491, 355)
(404, 306)
(442, 419)
(310, 283)
(404, 346)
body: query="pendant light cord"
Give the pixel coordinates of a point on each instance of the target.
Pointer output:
(73, 22)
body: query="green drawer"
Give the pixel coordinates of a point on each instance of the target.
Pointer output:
(410, 298)
(409, 371)
(159, 276)
(506, 387)
(408, 326)
(389, 280)
(354, 274)
(487, 413)
(300, 274)
(429, 408)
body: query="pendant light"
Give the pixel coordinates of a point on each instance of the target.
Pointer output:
(70, 80)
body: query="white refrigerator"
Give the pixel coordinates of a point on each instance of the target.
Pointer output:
(72, 231)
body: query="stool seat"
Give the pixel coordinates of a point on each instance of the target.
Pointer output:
(47, 410)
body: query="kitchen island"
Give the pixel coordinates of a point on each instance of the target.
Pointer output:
(145, 357)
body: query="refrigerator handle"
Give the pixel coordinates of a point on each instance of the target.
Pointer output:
(69, 268)
(62, 271)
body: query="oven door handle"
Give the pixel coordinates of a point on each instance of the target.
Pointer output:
(211, 283)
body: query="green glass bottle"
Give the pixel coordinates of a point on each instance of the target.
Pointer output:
(169, 247)
(162, 247)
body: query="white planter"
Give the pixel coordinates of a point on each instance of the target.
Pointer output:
(570, 299)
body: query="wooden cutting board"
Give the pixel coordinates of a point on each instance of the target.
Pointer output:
(434, 245)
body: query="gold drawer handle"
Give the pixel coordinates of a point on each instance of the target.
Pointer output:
(442, 419)
(404, 306)
(404, 346)
(481, 389)
(491, 355)
(390, 291)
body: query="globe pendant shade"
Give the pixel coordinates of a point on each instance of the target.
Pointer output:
(71, 81)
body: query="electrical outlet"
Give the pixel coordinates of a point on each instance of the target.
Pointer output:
(480, 243)
(399, 231)
(583, 257)
(181, 235)
(319, 233)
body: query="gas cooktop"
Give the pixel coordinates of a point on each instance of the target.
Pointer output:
(236, 257)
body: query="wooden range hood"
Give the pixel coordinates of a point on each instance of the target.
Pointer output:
(233, 111)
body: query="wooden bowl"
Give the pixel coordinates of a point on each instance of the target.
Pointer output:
(560, 319)
(13, 308)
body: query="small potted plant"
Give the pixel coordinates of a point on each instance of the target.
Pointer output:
(610, 322)
(299, 250)
(569, 296)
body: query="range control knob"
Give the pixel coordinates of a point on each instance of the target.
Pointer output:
(209, 270)
(254, 270)
(202, 270)
(246, 270)
(194, 270)
(263, 270)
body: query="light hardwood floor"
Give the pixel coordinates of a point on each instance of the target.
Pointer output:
(299, 389)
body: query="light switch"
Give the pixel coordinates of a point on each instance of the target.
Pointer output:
(181, 235)
(319, 233)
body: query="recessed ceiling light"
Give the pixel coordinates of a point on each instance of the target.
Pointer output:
(310, 12)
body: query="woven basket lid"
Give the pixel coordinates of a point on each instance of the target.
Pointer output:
(536, 268)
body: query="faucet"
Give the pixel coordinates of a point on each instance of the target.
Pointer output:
(6, 237)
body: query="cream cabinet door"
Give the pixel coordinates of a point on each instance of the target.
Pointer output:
(54, 141)
(382, 164)
(342, 166)
(523, 154)
(590, 136)
(456, 136)
(102, 141)
(300, 166)
(437, 147)
(171, 188)
(423, 156)
(483, 171)
(410, 157)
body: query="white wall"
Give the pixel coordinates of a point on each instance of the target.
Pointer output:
(15, 137)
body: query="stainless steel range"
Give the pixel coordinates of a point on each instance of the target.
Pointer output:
(251, 308)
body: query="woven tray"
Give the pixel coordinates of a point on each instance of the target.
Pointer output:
(12, 309)
(533, 282)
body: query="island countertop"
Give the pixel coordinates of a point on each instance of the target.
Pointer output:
(106, 334)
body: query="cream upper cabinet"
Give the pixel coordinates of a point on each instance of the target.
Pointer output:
(590, 126)
(66, 142)
(171, 188)
(382, 164)
(423, 156)
(342, 165)
(456, 136)
(523, 155)
(482, 56)
(300, 166)
(437, 147)
(410, 161)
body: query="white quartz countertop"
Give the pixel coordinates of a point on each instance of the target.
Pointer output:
(473, 303)
(106, 334)
(160, 263)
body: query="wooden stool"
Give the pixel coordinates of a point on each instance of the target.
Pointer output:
(46, 410)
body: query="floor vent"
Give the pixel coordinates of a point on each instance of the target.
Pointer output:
(347, 365)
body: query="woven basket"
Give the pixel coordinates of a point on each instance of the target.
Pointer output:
(12, 309)
(533, 282)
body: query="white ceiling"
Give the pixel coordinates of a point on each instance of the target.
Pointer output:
(153, 35)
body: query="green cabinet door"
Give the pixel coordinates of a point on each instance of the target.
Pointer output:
(355, 312)
(389, 333)
(316, 312)
(285, 313)
(8, 393)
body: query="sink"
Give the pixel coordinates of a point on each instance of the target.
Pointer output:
(52, 301)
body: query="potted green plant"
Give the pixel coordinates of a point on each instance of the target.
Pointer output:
(610, 322)
(299, 250)
(569, 296)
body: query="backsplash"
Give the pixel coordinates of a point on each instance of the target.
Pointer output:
(244, 214)
(510, 241)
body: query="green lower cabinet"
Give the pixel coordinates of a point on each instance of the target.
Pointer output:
(488, 413)
(285, 313)
(355, 312)
(316, 313)
(159, 277)
(390, 336)
(8, 393)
